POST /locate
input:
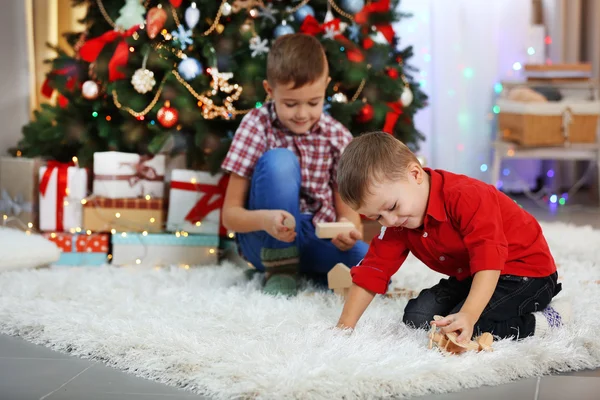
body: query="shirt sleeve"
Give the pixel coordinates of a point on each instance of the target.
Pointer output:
(386, 254)
(342, 139)
(476, 212)
(247, 146)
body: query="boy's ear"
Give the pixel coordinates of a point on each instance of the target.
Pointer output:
(268, 88)
(416, 172)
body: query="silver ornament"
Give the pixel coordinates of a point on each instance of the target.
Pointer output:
(226, 9)
(143, 80)
(283, 29)
(352, 6)
(90, 90)
(339, 97)
(189, 68)
(406, 98)
(192, 16)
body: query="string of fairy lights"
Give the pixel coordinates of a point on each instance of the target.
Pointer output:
(210, 109)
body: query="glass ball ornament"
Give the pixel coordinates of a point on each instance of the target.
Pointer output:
(90, 90)
(189, 68)
(143, 80)
(167, 116)
(352, 6)
(283, 29)
(303, 12)
(192, 16)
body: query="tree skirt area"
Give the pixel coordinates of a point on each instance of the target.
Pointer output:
(212, 332)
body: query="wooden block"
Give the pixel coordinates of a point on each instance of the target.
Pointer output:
(401, 292)
(329, 230)
(290, 223)
(339, 279)
(485, 341)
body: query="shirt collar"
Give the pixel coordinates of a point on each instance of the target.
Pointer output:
(435, 206)
(277, 123)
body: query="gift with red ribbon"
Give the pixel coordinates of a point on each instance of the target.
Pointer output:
(391, 117)
(61, 189)
(92, 48)
(195, 202)
(311, 26)
(362, 17)
(119, 175)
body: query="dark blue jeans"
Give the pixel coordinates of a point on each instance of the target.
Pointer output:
(275, 185)
(509, 313)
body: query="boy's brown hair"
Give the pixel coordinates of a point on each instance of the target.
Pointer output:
(371, 158)
(296, 58)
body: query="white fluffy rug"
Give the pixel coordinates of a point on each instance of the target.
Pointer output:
(212, 332)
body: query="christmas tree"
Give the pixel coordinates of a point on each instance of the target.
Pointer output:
(155, 75)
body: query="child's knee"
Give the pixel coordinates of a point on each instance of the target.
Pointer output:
(415, 317)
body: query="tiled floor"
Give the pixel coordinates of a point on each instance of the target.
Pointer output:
(30, 372)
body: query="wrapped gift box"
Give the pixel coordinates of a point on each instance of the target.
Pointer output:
(19, 190)
(80, 249)
(128, 175)
(195, 202)
(62, 187)
(164, 249)
(123, 215)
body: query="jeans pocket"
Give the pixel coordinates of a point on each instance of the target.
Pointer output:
(537, 302)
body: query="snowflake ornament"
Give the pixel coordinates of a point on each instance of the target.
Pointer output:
(183, 36)
(330, 32)
(267, 13)
(259, 46)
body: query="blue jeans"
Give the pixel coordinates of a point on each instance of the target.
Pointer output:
(275, 185)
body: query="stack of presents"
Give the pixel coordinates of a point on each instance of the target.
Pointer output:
(125, 212)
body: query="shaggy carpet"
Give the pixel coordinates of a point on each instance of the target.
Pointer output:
(209, 330)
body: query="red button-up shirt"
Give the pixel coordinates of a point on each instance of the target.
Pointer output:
(469, 226)
(318, 151)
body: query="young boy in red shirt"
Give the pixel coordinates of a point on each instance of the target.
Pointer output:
(502, 276)
(283, 162)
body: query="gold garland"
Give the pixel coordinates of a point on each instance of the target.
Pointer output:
(340, 11)
(146, 110)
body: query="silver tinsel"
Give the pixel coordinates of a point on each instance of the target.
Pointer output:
(143, 80)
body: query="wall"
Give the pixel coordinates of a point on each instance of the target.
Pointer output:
(14, 76)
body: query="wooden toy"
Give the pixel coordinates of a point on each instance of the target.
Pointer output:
(290, 223)
(401, 292)
(448, 344)
(329, 230)
(340, 280)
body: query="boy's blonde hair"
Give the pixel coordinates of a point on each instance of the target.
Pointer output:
(296, 58)
(371, 158)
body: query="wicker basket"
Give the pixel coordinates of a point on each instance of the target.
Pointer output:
(548, 124)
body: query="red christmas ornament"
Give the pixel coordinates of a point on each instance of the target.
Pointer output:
(392, 72)
(175, 3)
(167, 116)
(155, 21)
(365, 114)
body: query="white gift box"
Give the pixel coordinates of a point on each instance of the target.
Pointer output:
(164, 249)
(195, 202)
(61, 190)
(120, 175)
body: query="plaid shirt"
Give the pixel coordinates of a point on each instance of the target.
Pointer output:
(318, 152)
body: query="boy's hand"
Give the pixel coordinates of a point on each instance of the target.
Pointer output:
(346, 241)
(460, 322)
(274, 226)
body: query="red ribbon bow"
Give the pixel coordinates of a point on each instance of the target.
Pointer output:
(142, 172)
(362, 17)
(213, 198)
(311, 26)
(392, 117)
(61, 187)
(47, 88)
(92, 48)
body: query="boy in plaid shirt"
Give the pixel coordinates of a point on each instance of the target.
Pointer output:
(283, 162)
